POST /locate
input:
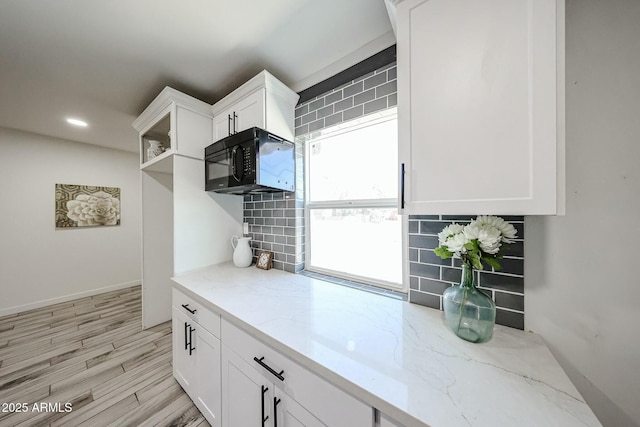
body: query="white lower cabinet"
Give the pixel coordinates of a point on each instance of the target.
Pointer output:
(262, 387)
(251, 399)
(208, 353)
(196, 356)
(184, 370)
(239, 381)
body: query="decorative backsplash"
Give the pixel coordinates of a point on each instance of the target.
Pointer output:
(277, 220)
(367, 94)
(429, 275)
(276, 224)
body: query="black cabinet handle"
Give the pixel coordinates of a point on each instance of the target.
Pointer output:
(402, 187)
(278, 375)
(235, 127)
(186, 307)
(275, 411)
(186, 341)
(191, 347)
(263, 418)
(228, 124)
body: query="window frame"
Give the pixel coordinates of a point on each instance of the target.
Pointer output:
(344, 127)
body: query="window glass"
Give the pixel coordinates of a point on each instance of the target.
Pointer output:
(364, 243)
(353, 227)
(356, 164)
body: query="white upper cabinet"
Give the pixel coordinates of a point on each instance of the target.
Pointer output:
(247, 113)
(263, 101)
(481, 106)
(180, 124)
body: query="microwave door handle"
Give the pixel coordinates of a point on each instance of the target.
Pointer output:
(233, 163)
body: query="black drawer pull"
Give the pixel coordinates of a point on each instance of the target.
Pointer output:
(264, 419)
(186, 307)
(191, 347)
(186, 340)
(276, 401)
(278, 375)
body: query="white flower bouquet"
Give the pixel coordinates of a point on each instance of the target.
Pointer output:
(476, 243)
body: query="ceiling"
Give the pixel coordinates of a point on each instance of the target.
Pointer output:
(103, 61)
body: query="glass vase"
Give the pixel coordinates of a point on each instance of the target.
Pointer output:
(468, 311)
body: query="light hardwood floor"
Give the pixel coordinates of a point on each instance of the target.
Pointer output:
(90, 353)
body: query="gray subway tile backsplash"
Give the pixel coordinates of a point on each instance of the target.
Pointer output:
(365, 96)
(353, 89)
(343, 104)
(375, 105)
(392, 100)
(387, 89)
(506, 287)
(314, 105)
(352, 113)
(375, 80)
(333, 97)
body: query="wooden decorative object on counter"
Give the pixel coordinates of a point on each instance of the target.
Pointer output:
(264, 260)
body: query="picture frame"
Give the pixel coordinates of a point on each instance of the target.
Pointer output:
(82, 206)
(265, 258)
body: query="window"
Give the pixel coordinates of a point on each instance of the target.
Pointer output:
(353, 227)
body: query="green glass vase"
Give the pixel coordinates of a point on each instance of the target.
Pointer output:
(468, 311)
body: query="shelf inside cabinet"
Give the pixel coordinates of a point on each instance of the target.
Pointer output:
(160, 133)
(162, 163)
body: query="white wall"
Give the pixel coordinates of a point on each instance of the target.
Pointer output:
(582, 289)
(41, 265)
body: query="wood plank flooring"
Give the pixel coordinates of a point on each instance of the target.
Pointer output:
(89, 363)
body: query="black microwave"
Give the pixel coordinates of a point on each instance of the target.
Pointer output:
(248, 162)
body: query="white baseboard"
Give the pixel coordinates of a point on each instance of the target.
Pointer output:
(58, 300)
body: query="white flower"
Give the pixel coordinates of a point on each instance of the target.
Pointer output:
(490, 240)
(99, 208)
(472, 231)
(448, 231)
(483, 236)
(456, 243)
(508, 231)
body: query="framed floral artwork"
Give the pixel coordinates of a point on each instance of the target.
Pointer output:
(86, 206)
(264, 260)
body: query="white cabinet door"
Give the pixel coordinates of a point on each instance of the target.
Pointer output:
(192, 132)
(289, 413)
(245, 395)
(251, 399)
(246, 113)
(478, 96)
(223, 124)
(207, 360)
(184, 366)
(250, 111)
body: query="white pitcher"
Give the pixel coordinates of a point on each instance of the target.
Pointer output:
(242, 254)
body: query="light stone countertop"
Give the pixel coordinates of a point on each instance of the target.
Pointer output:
(398, 357)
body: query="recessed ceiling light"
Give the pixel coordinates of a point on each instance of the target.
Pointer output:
(76, 122)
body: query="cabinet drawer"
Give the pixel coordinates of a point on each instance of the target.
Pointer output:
(325, 401)
(208, 319)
